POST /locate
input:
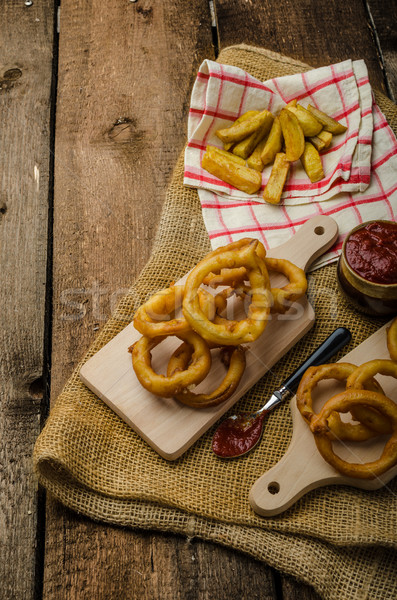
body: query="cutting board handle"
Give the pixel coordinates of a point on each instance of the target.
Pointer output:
(299, 471)
(311, 240)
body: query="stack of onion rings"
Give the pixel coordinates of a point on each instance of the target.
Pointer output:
(231, 333)
(337, 428)
(375, 414)
(242, 267)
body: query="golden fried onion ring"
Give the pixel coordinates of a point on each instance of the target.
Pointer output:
(345, 402)
(236, 366)
(337, 429)
(230, 333)
(392, 340)
(231, 277)
(236, 246)
(292, 291)
(358, 380)
(282, 297)
(369, 369)
(153, 317)
(167, 387)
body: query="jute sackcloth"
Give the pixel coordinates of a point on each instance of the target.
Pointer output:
(339, 539)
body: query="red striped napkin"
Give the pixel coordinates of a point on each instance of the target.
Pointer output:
(360, 166)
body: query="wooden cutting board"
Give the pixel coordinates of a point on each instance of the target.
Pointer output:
(168, 426)
(302, 468)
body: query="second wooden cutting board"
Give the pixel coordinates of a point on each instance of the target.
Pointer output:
(169, 427)
(302, 468)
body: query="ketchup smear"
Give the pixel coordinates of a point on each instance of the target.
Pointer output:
(372, 252)
(232, 438)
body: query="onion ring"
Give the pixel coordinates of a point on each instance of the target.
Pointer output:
(236, 246)
(231, 277)
(337, 428)
(151, 318)
(282, 297)
(345, 402)
(358, 380)
(294, 290)
(166, 387)
(230, 333)
(369, 369)
(236, 366)
(392, 340)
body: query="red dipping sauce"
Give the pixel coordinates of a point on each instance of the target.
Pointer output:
(371, 252)
(234, 438)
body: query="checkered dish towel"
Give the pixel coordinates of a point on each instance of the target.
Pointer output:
(360, 166)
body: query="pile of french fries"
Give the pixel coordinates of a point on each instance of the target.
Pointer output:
(258, 138)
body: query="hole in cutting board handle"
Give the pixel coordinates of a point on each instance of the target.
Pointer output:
(319, 230)
(273, 487)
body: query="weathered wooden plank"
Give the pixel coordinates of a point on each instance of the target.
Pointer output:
(100, 561)
(26, 45)
(121, 123)
(307, 31)
(383, 21)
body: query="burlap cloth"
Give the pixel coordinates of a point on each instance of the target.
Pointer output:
(339, 539)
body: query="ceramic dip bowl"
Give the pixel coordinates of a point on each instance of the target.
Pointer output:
(367, 268)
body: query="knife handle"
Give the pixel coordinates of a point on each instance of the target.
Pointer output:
(339, 338)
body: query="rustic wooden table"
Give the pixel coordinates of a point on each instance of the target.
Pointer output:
(93, 108)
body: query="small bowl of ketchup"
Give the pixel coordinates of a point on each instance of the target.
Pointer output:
(367, 268)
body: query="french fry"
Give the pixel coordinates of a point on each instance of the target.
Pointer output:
(293, 135)
(254, 161)
(311, 162)
(322, 140)
(238, 132)
(226, 168)
(273, 143)
(245, 117)
(307, 121)
(274, 187)
(257, 138)
(247, 146)
(317, 143)
(326, 137)
(328, 123)
(211, 149)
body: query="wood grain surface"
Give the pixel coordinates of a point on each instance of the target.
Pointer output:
(125, 73)
(317, 33)
(26, 53)
(382, 22)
